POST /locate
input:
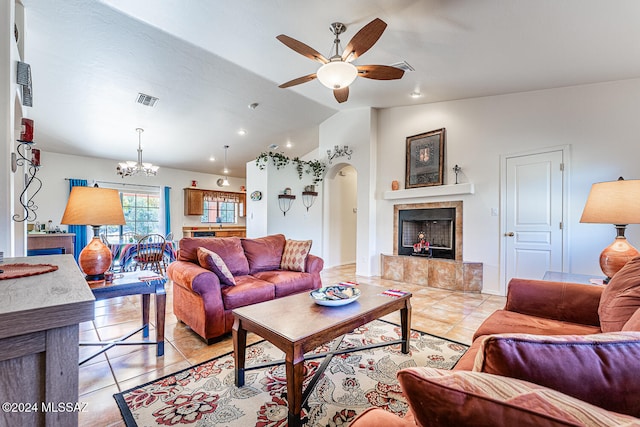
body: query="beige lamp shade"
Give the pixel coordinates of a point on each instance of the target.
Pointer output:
(93, 206)
(614, 202)
(618, 203)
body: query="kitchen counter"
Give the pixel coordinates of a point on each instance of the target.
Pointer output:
(214, 231)
(49, 243)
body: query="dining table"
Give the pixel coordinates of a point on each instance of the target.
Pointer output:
(123, 254)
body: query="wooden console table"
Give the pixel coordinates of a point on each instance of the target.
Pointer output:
(39, 342)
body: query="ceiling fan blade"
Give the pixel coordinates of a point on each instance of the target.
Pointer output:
(302, 49)
(298, 81)
(364, 39)
(341, 95)
(380, 72)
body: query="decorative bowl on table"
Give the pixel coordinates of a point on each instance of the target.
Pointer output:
(335, 295)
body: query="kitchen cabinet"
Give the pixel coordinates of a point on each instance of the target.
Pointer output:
(193, 201)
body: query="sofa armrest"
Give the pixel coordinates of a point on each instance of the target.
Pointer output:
(568, 302)
(314, 264)
(193, 277)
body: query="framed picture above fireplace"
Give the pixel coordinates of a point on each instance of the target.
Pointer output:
(425, 159)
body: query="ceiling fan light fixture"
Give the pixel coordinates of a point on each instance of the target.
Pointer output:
(337, 74)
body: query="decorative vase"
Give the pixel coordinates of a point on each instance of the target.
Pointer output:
(395, 185)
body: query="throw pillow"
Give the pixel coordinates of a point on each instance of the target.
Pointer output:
(600, 369)
(264, 253)
(212, 261)
(294, 257)
(455, 398)
(621, 297)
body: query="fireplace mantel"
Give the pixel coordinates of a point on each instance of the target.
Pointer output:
(433, 191)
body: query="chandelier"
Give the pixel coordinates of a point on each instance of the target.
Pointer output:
(133, 168)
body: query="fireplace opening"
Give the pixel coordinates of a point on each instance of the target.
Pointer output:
(427, 232)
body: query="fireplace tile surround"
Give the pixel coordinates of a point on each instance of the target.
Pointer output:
(451, 274)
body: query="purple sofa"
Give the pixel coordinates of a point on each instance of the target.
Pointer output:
(202, 302)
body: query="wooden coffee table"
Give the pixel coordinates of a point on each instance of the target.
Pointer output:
(296, 325)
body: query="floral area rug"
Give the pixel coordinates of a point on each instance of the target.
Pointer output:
(205, 394)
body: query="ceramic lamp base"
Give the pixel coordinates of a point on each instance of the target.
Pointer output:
(616, 255)
(95, 259)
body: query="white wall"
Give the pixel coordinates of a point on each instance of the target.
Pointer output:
(264, 217)
(52, 199)
(356, 128)
(599, 122)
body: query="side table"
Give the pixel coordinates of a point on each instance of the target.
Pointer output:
(142, 283)
(587, 279)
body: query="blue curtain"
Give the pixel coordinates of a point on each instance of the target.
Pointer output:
(167, 210)
(79, 230)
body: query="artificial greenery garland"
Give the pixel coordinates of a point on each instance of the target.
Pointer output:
(313, 167)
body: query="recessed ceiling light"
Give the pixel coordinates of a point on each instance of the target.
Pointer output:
(415, 94)
(212, 159)
(289, 144)
(242, 132)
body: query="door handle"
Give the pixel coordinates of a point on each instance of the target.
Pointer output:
(510, 234)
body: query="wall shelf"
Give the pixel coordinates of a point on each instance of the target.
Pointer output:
(285, 201)
(434, 191)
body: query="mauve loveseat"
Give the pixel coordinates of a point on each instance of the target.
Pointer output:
(203, 301)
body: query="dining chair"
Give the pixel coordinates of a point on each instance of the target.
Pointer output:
(150, 253)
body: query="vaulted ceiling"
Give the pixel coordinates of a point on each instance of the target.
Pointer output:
(207, 61)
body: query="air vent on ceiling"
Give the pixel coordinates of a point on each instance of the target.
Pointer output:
(273, 147)
(148, 100)
(404, 65)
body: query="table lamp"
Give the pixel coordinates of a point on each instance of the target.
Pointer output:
(617, 203)
(95, 207)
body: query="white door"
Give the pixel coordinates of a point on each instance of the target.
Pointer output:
(533, 235)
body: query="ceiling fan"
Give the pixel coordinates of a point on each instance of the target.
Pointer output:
(338, 72)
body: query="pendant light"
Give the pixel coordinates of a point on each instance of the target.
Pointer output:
(225, 181)
(133, 168)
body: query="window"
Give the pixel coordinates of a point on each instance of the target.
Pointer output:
(220, 212)
(142, 209)
(220, 207)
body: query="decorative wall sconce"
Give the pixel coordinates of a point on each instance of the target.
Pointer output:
(285, 201)
(456, 170)
(339, 152)
(309, 196)
(31, 181)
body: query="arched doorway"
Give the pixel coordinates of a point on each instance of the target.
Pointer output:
(341, 226)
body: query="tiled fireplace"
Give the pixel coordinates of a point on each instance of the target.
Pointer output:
(440, 223)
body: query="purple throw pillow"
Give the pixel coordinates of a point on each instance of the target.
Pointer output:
(212, 261)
